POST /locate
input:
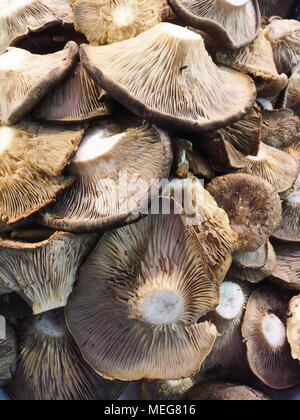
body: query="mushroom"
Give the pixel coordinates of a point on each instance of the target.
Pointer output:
(291, 98)
(18, 18)
(76, 98)
(170, 61)
(233, 24)
(264, 330)
(199, 165)
(106, 22)
(134, 310)
(276, 7)
(165, 390)
(286, 273)
(33, 156)
(294, 149)
(13, 307)
(280, 128)
(293, 327)
(252, 205)
(224, 391)
(51, 368)
(25, 78)
(284, 37)
(279, 168)
(43, 273)
(254, 267)
(8, 353)
(289, 229)
(117, 168)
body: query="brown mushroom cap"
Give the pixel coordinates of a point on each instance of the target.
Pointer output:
(293, 327)
(264, 330)
(116, 167)
(20, 17)
(291, 98)
(280, 128)
(165, 390)
(233, 24)
(287, 270)
(8, 353)
(199, 165)
(25, 78)
(279, 168)
(50, 367)
(252, 205)
(135, 308)
(224, 391)
(43, 273)
(169, 61)
(113, 21)
(276, 7)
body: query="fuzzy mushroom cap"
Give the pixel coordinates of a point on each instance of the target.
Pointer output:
(280, 128)
(169, 61)
(33, 157)
(287, 270)
(232, 23)
(8, 353)
(264, 330)
(76, 98)
(43, 273)
(284, 36)
(276, 7)
(116, 168)
(291, 97)
(165, 390)
(50, 367)
(279, 168)
(106, 22)
(252, 205)
(25, 78)
(293, 327)
(20, 17)
(135, 308)
(224, 391)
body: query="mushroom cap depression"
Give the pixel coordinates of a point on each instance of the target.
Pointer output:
(166, 76)
(293, 327)
(25, 78)
(8, 355)
(134, 310)
(233, 24)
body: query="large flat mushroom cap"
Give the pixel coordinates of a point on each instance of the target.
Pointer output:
(293, 327)
(25, 78)
(166, 76)
(232, 23)
(135, 308)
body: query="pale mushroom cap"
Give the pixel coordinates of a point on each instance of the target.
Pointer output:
(232, 300)
(293, 327)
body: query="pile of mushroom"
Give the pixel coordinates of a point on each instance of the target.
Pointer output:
(149, 198)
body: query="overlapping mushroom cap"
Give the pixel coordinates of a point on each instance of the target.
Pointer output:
(165, 62)
(291, 97)
(293, 326)
(287, 270)
(280, 128)
(135, 308)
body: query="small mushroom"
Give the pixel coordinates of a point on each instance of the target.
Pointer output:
(291, 98)
(280, 128)
(264, 330)
(169, 61)
(8, 353)
(165, 390)
(233, 24)
(293, 327)
(252, 205)
(286, 273)
(25, 79)
(276, 7)
(51, 368)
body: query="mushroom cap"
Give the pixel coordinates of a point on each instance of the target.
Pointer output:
(252, 205)
(12, 306)
(18, 18)
(169, 61)
(286, 273)
(51, 368)
(117, 169)
(113, 21)
(134, 310)
(276, 7)
(25, 78)
(76, 98)
(43, 273)
(8, 353)
(264, 330)
(232, 24)
(293, 327)
(224, 391)
(165, 390)
(279, 168)
(280, 128)
(291, 98)
(294, 149)
(199, 165)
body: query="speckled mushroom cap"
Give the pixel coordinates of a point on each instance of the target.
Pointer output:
(233, 24)
(276, 7)
(20, 17)
(293, 327)
(134, 310)
(286, 273)
(51, 368)
(25, 78)
(252, 205)
(8, 353)
(43, 273)
(170, 61)
(264, 330)
(115, 20)
(280, 128)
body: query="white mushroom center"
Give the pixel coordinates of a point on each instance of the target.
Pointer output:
(273, 330)
(8, 7)
(236, 3)
(13, 60)
(48, 327)
(123, 16)
(232, 300)
(294, 198)
(179, 32)
(7, 135)
(162, 307)
(261, 156)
